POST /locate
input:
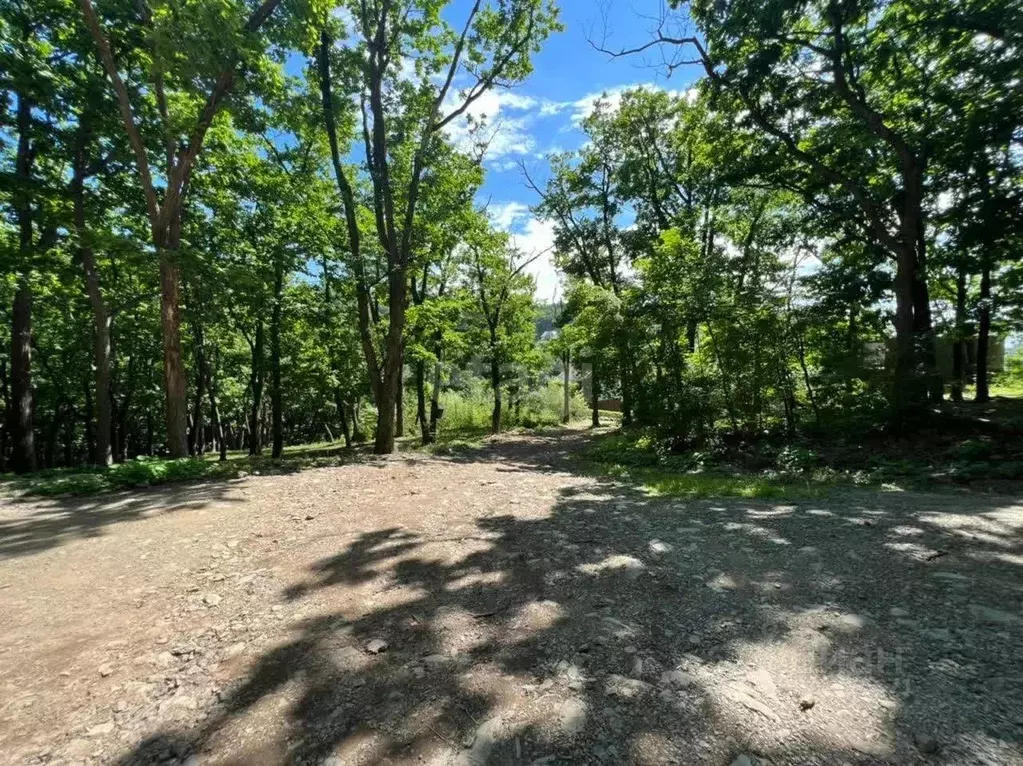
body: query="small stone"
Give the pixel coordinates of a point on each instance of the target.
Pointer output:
(234, 649)
(376, 646)
(309, 517)
(805, 702)
(106, 669)
(179, 702)
(742, 760)
(101, 729)
(695, 639)
(896, 611)
(211, 599)
(677, 679)
(572, 716)
(660, 547)
(763, 680)
(436, 661)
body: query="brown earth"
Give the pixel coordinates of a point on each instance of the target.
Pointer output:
(531, 614)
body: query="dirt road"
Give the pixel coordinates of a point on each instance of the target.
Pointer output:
(504, 608)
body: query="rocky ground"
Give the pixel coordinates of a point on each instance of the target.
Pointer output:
(504, 608)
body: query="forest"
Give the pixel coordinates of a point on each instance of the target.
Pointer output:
(238, 226)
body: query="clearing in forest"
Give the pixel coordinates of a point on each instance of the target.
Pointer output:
(503, 607)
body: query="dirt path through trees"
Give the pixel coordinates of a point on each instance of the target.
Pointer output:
(502, 607)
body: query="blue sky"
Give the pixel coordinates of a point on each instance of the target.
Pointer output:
(542, 114)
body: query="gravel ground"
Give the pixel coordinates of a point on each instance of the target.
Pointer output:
(502, 607)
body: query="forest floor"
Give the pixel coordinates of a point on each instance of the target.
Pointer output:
(506, 606)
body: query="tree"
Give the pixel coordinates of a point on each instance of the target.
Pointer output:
(503, 298)
(492, 49)
(166, 55)
(860, 127)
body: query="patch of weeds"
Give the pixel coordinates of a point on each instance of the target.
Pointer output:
(142, 472)
(698, 485)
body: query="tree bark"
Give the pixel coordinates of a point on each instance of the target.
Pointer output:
(495, 382)
(23, 456)
(959, 341)
(595, 393)
(196, 437)
(342, 413)
(102, 354)
(435, 411)
(256, 385)
(399, 399)
(984, 334)
(566, 408)
(5, 399)
(421, 416)
(218, 424)
(276, 401)
(175, 381)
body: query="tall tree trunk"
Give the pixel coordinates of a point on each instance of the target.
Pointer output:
(23, 455)
(922, 326)
(959, 341)
(256, 385)
(625, 370)
(984, 334)
(276, 403)
(566, 405)
(175, 381)
(5, 399)
(50, 445)
(399, 400)
(102, 354)
(342, 413)
(495, 382)
(905, 385)
(421, 416)
(387, 391)
(218, 424)
(69, 435)
(435, 411)
(196, 436)
(595, 392)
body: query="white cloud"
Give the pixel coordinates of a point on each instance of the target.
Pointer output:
(506, 215)
(581, 108)
(532, 237)
(507, 117)
(538, 237)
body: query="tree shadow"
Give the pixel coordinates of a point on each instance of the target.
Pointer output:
(620, 628)
(38, 524)
(624, 629)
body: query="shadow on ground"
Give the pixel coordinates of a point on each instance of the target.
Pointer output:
(40, 524)
(865, 628)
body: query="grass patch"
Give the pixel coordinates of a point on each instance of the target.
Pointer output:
(143, 472)
(152, 471)
(641, 458)
(698, 485)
